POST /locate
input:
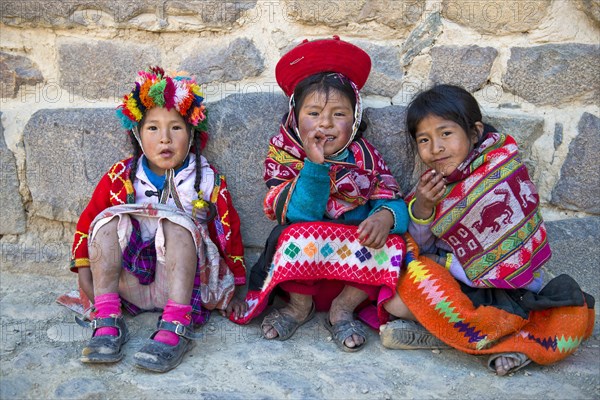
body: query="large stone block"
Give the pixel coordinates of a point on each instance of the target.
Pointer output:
(497, 17)
(420, 38)
(524, 128)
(386, 131)
(67, 152)
(11, 206)
(153, 15)
(574, 243)
(591, 8)
(398, 15)
(238, 145)
(103, 69)
(16, 71)
(240, 59)
(579, 185)
(554, 74)
(386, 74)
(467, 66)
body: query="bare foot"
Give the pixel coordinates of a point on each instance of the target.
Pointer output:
(504, 364)
(342, 309)
(298, 308)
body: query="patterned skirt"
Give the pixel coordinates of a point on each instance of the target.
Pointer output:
(143, 285)
(323, 251)
(554, 325)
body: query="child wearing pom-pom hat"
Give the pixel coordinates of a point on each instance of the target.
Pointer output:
(160, 231)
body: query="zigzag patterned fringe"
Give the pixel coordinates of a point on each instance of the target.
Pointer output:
(435, 298)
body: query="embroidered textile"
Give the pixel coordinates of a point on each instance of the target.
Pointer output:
(351, 185)
(325, 250)
(116, 188)
(436, 299)
(490, 217)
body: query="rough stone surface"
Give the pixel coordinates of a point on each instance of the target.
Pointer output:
(386, 131)
(558, 135)
(573, 243)
(16, 71)
(591, 8)
(554, 74)
(399, 15)
(80, 388)
(309, 365)
(107, 71)
(467, 66)
(13, 219)
(497, 17)
(237, 146)
(579, 184)
(525, 129)
(386, 74)
(420, 38)
(240, 59)
(153, 15)
(68, 151)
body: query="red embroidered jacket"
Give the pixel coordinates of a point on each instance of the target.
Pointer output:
(116, 188)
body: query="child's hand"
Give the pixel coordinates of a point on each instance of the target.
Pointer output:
(373, 231)
(314, 144)
(236, 306)
(430, 190)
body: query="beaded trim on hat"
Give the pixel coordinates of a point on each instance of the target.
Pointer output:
(154, 88)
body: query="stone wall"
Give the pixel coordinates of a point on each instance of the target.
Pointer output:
(532, 64)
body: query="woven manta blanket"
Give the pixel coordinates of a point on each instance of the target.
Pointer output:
(435, 298)
(490, 217)
(352, 185)
(324, 250)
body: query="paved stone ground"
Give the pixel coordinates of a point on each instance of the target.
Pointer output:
(40, 344)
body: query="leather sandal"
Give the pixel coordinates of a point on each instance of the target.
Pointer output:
(106, 348)
(403, 334)
(160, 357)
(342, 330)
(284, 324)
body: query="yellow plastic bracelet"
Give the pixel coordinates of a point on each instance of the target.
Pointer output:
(448, 261)
(418, 220)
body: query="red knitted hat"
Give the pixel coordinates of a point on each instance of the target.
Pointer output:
(309, 58)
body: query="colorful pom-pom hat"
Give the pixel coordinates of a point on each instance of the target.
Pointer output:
(155, 88)
(323, 55)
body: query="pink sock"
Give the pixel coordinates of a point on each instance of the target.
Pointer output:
(174, 312)
(107, 305)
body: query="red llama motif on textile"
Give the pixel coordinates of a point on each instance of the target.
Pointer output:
(491, 213)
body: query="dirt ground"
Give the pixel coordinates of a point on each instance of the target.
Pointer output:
(40, 344)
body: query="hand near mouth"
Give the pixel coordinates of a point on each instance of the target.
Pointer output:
(430, 190)
(314, 146)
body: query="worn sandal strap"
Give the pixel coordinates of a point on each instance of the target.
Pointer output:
(111, 322)
(345, 329)
(178, 329)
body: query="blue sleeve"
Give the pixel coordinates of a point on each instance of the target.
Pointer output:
(310, 195)
(399, 211)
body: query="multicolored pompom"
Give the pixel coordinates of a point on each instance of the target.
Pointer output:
(154, 88)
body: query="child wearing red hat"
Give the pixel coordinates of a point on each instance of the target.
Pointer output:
(160, 231)
(338, 206)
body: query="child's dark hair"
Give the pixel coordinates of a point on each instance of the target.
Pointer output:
(325, 82)
(449, 102)
(196, 147)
